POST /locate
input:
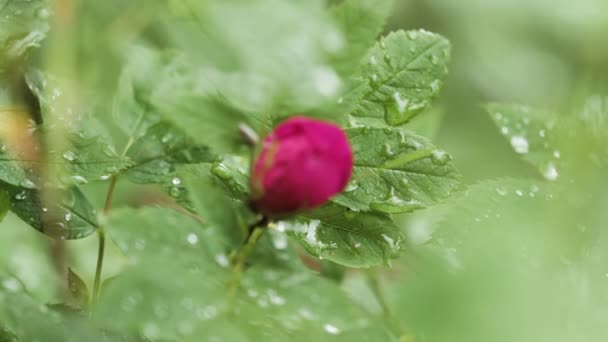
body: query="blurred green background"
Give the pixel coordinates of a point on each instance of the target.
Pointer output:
(491, 264)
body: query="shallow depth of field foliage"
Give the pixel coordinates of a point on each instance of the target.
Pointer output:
(476, 210)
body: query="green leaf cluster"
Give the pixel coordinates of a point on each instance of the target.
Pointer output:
(157, 121)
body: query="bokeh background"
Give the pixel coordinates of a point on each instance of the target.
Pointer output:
(490, 264)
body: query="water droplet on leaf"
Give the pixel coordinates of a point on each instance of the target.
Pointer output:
(192, 239)
(551, 172)
(520, 144)
(221, 171)
(440, 157)
(69, 156)
(331, 329)
(20, 196)
(26, 183)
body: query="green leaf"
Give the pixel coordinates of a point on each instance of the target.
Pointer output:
(400, 77)
(71, 216)
(532, 134)
(10, 171)
(23, 25)
(396, 171)
(176, 289)
(360, 22)
(25, 318)
(300, 306)
(91, 159)
(86, 155)
(78, 289)
(346, 237)
(131, 109)
(187, 242)
(158, 153)
(178, 271)
(156, 83)
(209, 187)
(201, 116)
(87, 159)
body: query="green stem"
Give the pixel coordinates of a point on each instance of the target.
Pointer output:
(100, 253)
(374, 285)
(102, 243)
(254, 234)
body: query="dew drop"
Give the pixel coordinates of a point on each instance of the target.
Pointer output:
(221, 171)
(78, 179)
(387, 150)
(26, 183)
(174, 192)
(352, 186)
(192, 239)
(331, 329)
(69, 156)
(387, 60)
(20, 196)
(111, 169)
(68, 216)
(176, 181)
(401, 102)
(435, 85)
(43, 13)
(434, 60)
(327, 81)
(11, 284)
(551, 172)
(166, 138)
(109, 151)
(520, 144)
(222, 260)
(440, 157)
(279, 241)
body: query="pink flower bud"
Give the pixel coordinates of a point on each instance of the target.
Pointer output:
(303, 163)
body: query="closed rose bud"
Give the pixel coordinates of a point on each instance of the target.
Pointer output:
(302, 164)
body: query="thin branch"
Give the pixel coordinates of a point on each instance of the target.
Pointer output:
(254, 234)
(102, 243)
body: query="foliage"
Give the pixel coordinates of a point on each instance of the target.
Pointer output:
(121, 145)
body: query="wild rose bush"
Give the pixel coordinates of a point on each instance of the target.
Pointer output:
(264, 170)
